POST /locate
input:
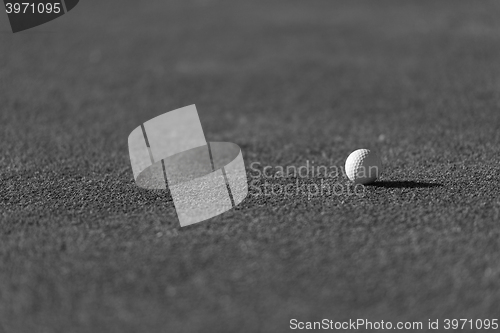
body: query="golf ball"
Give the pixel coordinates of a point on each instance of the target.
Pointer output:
(363, 166)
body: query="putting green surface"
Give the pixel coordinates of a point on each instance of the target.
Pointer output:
(293, 83)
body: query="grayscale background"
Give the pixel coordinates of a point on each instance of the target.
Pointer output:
(82, 249)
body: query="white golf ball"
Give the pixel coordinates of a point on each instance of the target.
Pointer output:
(363, 166)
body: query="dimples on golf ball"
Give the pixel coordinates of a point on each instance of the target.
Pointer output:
(363, 166)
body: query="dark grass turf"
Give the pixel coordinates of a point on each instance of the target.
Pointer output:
(82, 249)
